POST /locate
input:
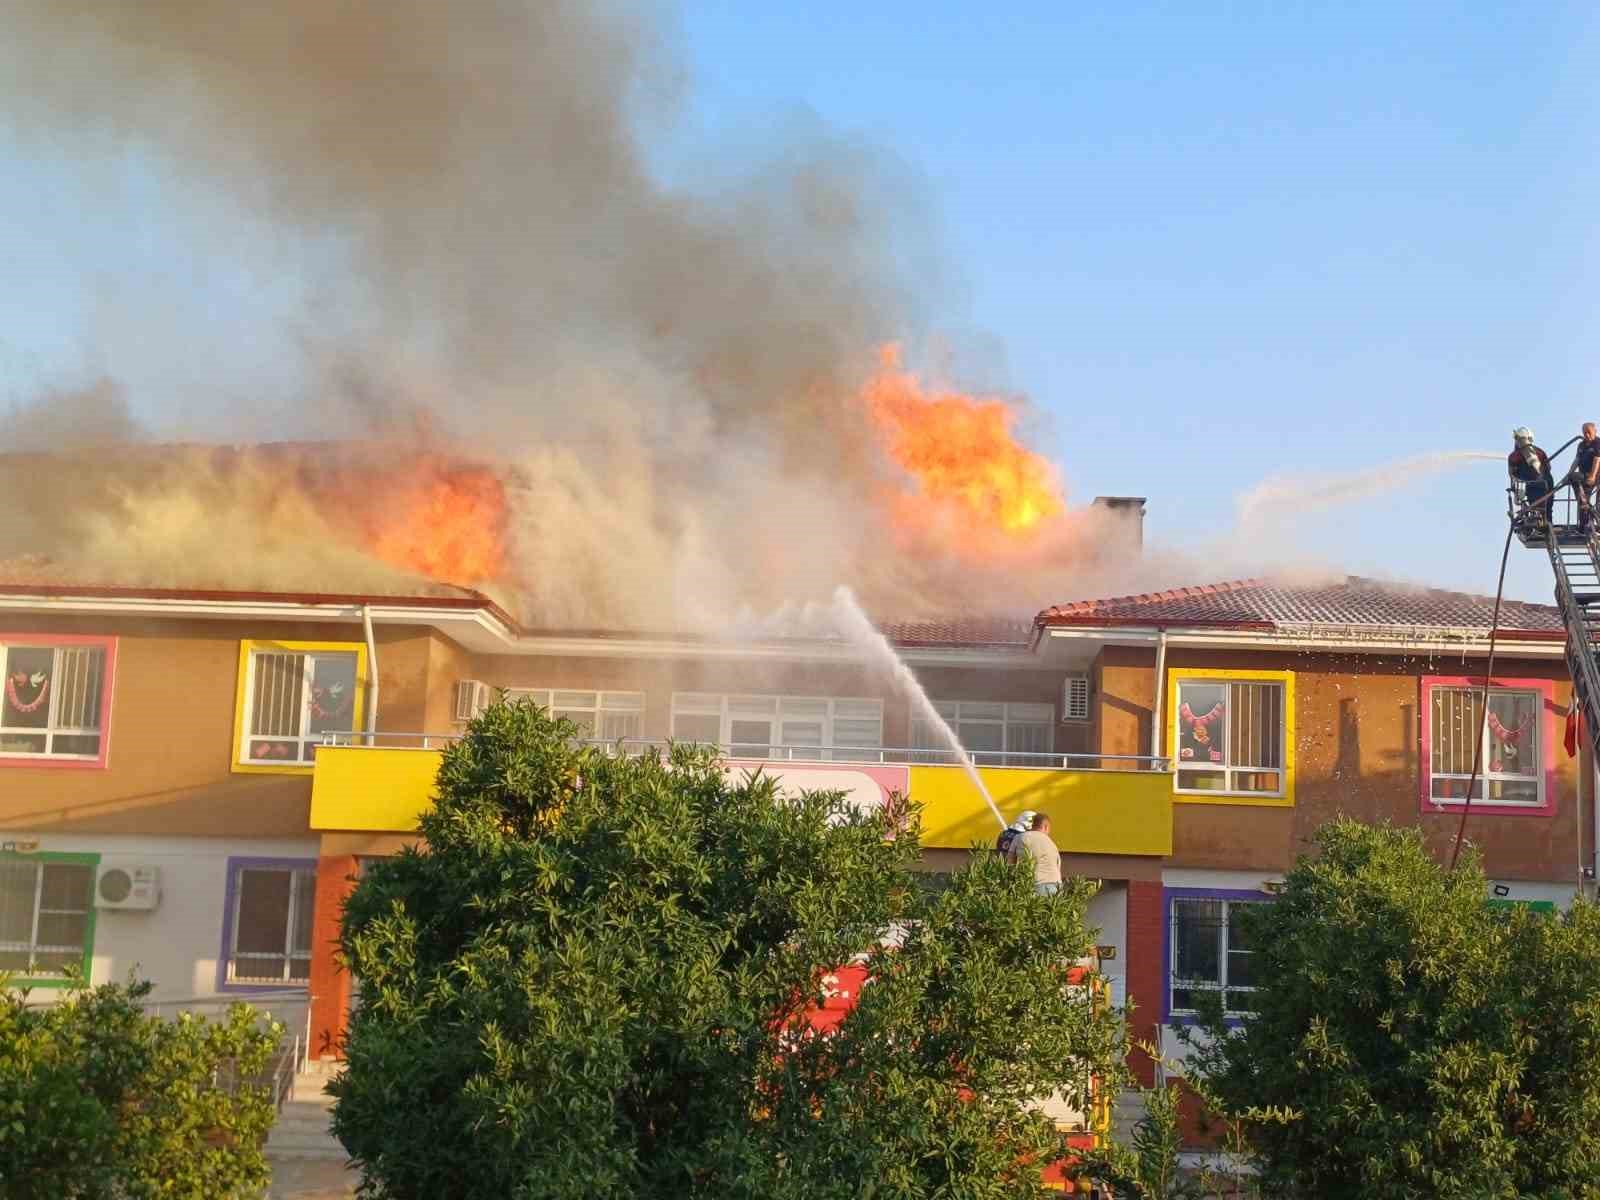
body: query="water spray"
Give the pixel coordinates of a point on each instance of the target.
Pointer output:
(856, 626)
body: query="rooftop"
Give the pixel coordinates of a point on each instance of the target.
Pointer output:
(1277, 605)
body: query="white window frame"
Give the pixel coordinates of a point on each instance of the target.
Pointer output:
(725, 705)
(1485, 775)
(1224, 934)
(1225, 741)
(52, 728)
(1014, 714)
(606, 704)
(302, 890)
(307, 675)
(33, 947)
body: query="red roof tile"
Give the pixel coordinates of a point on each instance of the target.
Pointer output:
(1268, 605)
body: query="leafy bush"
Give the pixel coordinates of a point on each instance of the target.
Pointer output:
(590, 982)
(1430, 1044)
(99, 1100)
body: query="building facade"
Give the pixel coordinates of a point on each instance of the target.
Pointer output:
(191, 783)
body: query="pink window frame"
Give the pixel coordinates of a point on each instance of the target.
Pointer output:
(51, 762)
(1546, 689)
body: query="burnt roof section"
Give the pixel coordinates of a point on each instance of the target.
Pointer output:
(1269, 605)
(995, 632)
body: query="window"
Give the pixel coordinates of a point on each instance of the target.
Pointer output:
(1075, 698)
(1508, 758)
(606, 716)
(1210, 952)
(267, 921)
(293, 694)
(56, 699)
(994, 732)
(46, 914)
(1230, 736)
(782, 727)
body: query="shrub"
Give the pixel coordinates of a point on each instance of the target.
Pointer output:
(99, 1100)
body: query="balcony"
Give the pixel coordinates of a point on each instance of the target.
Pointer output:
(1098, 804)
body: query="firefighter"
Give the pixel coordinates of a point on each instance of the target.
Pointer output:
(1585, 474)
(1530, 466)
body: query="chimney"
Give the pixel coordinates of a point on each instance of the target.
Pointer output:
(1127, 510)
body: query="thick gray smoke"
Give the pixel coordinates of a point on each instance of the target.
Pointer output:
(673, 375)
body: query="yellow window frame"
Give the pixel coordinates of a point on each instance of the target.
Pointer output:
(249, 646)
(1285, 679)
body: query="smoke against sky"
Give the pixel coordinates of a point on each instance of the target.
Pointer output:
(483, 265)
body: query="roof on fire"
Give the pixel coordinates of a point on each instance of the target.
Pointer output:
(1270, 605)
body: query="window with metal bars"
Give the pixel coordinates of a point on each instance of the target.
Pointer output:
(1505, 742)
(293, 699)
(55, 700)
(270, 922)
(46, 915)
(1210, 952)
(1229, 736)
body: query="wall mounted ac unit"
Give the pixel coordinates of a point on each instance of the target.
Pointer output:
(1075, 698)
(472, 698)
(129, 886)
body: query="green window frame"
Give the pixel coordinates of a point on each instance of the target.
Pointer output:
(42, 906)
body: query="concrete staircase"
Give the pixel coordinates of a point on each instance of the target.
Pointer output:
(301, 1131)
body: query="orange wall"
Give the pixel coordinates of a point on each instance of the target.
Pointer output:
(1357, 754)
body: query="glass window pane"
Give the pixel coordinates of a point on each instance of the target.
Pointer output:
(803, 708)
(858, 710)
(1265, 782)
(30, 676)
(1201, 716)
(67, 887)
(923, 737)
(79, 671)
(981, 736)
(1239, 1001)
(750, 738)
(801, 733)
(575, 700)
(1513, 734)
(1255, 727)
(621, 725)
(858, 733)
(263, 919)
(1197, 940)
(622, 701)
(1203, 781)
(752, 706)
(22, 743)
(1039, 714)
(305, 883)
(276, 694)
(258, 967)
(1511, 791)
(1184, 998)
(982, 710)
(583, 720)
(78, 745)
(693, 727)
(18, 881)
(696, 702)
(55, 962)
(63, 930)
(1028, 739)
(300, 969)
(15, 960)
(333, 693)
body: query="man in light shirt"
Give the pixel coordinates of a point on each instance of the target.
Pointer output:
(1038, 846)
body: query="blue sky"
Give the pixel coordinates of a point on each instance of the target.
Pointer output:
(1210, 243)
(1216, 242)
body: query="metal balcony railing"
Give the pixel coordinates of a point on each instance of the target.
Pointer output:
(768, 752)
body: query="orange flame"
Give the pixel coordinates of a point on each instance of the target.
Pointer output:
(962, 455)
(436, 517)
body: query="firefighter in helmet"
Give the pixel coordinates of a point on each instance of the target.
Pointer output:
(1530, 466)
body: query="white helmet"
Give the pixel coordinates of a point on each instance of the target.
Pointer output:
(1522, 434)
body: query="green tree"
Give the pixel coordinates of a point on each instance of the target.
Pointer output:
(589, 982)
(1429, 1044)
(99, 1101)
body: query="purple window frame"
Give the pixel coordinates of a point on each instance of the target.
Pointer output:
(1168, 895)
(229, 900)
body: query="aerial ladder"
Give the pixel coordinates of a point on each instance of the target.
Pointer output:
(1553, 525)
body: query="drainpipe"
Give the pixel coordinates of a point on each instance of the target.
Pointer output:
(1161, 692)
(372, 673)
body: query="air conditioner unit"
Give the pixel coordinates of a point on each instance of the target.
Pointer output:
(127, 885)
(1075, 698)
(472, 698)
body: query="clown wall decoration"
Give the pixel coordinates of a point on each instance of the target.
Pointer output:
(1199, 734)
